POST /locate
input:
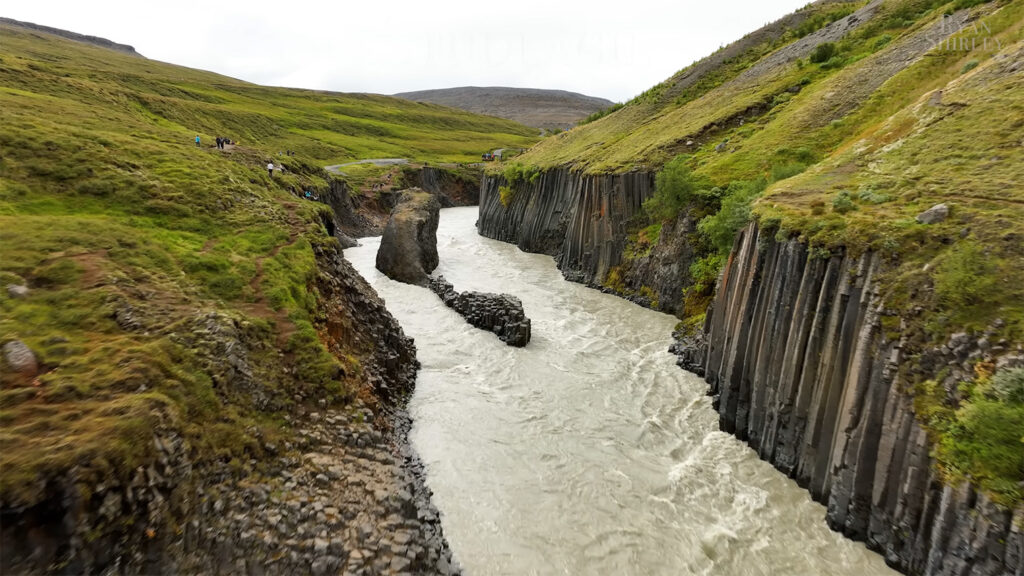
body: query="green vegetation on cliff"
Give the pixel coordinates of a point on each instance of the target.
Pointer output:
(144, 254)
(840, 135)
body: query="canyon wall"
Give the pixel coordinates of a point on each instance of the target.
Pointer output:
(798, 364)
(800, 368)
(582, 221)
(339, 488)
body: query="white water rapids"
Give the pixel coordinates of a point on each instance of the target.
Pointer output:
(588, 451)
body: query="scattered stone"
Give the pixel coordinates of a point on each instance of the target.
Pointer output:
(21, 359)
(934, 215)
(17, 291)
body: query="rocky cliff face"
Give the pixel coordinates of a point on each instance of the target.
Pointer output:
(582, 221)
(452, 187)
(797, 362)
(800, 368)
(339, 490)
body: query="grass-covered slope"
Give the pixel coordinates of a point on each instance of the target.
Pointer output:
(129, 237)
(838, 125)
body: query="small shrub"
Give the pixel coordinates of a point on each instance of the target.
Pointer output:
(614, 281)
(965, 277)
(517, 173)
(704, 272)
(823, 52)
(720, 228)
(882, 41)
(1008, 385)
(869, 196)
(788, 170)
(505, 194)
(984, 444)
(817, 207)
(843, 203)
(675, 187)
(833, 63)
(969, 66)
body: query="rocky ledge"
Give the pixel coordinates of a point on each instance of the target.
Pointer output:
(334, 489)
(499, 313)
(344, 498)
(408, 248)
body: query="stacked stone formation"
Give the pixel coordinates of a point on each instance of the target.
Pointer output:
(501, 314)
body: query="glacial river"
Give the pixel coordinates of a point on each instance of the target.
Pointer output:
(588, 451)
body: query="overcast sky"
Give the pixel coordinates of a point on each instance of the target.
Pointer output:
(613, 50)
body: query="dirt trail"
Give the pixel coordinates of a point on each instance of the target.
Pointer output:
(260, 307)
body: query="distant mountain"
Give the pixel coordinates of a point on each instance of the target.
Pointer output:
(530, 106)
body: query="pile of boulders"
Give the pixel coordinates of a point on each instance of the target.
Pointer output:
(339, 499)
(499, 313)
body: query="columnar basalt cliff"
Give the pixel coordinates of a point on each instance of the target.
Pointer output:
(800, 368)
(583, 222)
(452, 187)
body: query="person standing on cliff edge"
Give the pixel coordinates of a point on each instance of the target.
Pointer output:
(270, 169)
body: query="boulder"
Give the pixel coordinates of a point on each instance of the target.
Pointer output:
(934, 215)
(20, 358)
(17, 290)
(501, 314)
(408, 249)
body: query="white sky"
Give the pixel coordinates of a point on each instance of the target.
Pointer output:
(613, 50)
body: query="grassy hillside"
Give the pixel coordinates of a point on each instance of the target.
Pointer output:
(838, 125)
(141, 251)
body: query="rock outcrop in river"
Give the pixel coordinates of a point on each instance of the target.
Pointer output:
(408, 249)
(499, 313)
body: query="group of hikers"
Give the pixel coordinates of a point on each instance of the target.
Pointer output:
(221, 142)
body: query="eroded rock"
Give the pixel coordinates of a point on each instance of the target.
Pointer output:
(20, 358)
(408, 249)
(499, 313)
(934, 215)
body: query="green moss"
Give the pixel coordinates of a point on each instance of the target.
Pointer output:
(505, 195)
(126, 232)
(981, 440)
(849, 170)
